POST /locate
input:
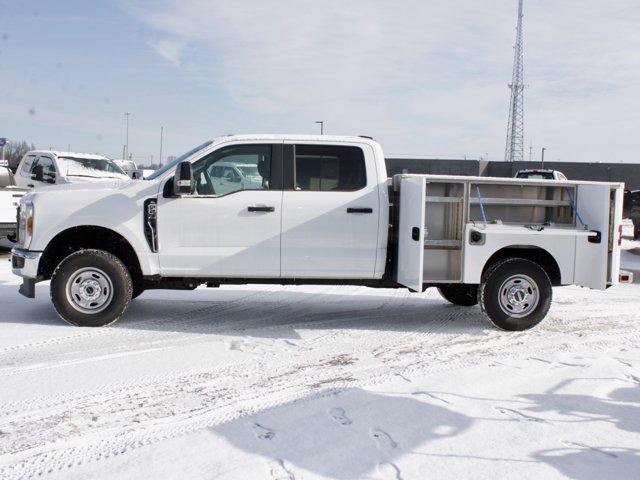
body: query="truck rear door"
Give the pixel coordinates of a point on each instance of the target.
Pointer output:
(330, 211)
(409, 268)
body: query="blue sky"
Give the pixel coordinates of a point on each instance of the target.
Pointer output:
(423, 77)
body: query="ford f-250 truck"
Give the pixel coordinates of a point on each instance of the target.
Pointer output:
(322, 212)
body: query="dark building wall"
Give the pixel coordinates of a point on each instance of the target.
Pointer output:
(433, 166)
(603, 172)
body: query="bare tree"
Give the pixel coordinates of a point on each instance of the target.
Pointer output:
(14, 151)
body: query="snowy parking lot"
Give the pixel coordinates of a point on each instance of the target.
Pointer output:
(320, 382)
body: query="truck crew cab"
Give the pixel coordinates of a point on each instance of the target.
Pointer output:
(322, 212)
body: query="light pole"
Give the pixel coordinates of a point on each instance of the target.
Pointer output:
(543, 150)
(126, 114)
(161, 132)
(321, 122)
(3, 144)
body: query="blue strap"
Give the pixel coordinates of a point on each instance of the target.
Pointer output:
(573, 207)
(484, 214)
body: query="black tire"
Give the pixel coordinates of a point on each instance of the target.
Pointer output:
(138, 290)
(530, 289)
(636, 231)
(83, 275)
(460, 294)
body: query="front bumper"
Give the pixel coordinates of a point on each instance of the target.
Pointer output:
(25, 264)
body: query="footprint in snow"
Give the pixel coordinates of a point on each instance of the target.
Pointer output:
(388, 471)
(383, 440)
(278, 471)
(340, 416)
(263, 433)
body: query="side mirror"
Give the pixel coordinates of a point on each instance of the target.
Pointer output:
(183, 183)
(37, 173)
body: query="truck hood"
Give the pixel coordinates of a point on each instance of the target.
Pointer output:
(9, 199)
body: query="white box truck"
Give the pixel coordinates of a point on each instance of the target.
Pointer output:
(320, 210)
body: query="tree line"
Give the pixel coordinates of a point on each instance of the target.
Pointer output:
(14, 151)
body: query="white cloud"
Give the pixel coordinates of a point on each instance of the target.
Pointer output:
(423, 76)
(170, 49)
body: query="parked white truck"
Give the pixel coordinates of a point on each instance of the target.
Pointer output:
(43, 168)
(323, 212)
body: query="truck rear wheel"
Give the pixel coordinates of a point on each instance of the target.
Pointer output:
(636, 230)
(460, 294)
(515, 294)
(91, 288)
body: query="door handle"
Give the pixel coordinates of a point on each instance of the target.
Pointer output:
(359, 210)
(30, 185)
(261, 209)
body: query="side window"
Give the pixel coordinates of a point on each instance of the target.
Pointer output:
(329, 168)
(233, 168)
(26, 166)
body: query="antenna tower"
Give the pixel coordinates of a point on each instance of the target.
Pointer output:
(514, 151)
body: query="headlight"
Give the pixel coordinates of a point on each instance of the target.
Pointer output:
(25, 224)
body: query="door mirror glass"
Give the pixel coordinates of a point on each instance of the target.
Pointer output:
(183, 183)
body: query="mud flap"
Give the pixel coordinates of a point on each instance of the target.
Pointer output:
(28, 288)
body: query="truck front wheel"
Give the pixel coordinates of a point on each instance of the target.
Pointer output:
(91, 288)
(460, 294)
(515, 294)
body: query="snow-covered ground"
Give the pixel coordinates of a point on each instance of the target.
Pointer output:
(320, 382)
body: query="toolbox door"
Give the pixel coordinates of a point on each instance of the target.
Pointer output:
(593, 208)
(411, 233)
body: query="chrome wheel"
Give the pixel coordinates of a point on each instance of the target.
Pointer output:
(89, 290)
(519, 296)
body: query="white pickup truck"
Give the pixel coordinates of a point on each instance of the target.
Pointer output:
(323, 212)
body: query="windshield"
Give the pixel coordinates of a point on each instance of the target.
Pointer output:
(91, 167)
(249, 170)
(128, 166)
(175, 162)
(536, 175)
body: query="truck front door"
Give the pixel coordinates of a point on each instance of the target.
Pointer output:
(330, 211)
(225, 232)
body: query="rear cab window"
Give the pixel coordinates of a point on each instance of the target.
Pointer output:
(329, 168)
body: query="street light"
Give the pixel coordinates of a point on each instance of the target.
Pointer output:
(126, 114)
(3, 144)
(321, 122)
(161, 132)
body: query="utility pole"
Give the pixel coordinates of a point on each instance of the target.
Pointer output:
(161, 132)
(530, 150)
(126, 114)
(543, 150)
(515, 125)
(321, 122)
(3, 144)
